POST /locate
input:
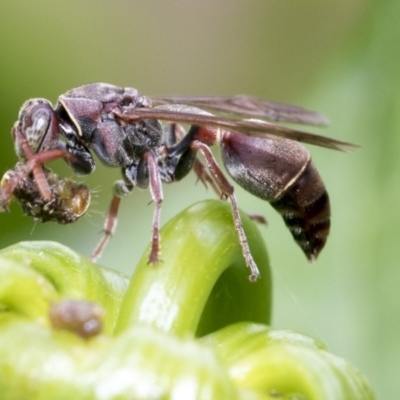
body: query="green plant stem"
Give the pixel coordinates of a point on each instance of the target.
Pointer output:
(202, 283)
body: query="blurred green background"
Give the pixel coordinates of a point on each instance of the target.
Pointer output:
(341, 58)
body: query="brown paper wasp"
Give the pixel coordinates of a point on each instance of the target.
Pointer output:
(124, 130)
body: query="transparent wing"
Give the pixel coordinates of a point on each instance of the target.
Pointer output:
(247, 106)
(252, 127)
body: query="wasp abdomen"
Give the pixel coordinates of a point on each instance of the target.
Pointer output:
(305, 208)
(281, 172)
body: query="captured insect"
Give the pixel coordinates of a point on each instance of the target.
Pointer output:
(124, 130)
(68, 200)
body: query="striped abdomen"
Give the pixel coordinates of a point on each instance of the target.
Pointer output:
(281, 172)
(305, 208)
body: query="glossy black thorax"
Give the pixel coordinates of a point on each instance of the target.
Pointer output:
(88, 113)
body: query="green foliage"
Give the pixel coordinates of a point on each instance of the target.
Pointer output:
(147, 349)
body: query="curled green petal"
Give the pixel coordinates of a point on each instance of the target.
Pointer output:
(202, 282)
(24, 292)
(286, 364)
(68, 273)
(200, 286)
(141, 363)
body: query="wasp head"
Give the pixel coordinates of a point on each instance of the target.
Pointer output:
(38, 124)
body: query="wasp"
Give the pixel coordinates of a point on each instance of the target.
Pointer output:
(144, 137)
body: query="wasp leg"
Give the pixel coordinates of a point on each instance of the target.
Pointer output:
(188, 155)
(157, 197)
(228, 190)
(36, 160)
(146, 174)
(174, 132)
(34, 165)
(110, 224)
(258, 218)
(199, 168)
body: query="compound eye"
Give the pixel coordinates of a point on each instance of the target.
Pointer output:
(38, 124)
(37, 131)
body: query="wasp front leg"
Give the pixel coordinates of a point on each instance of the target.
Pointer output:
(34, 163)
